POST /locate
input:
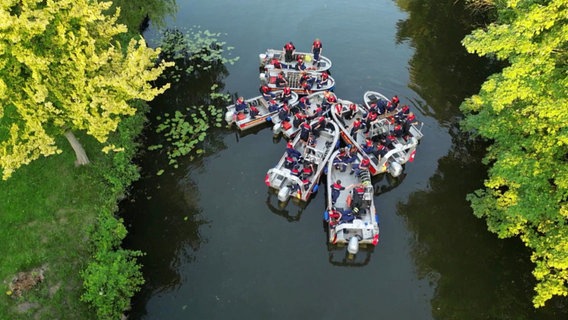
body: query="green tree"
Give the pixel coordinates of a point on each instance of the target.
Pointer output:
(522, 111)
(62, 71)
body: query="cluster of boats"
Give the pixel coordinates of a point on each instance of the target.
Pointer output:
(347, 142)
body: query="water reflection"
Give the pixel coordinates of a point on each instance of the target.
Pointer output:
(452, 248)
(290, 211)
(164, 216)
(384, 183)
(172, 244)
(339, 257)
(477, 276)
(442, 72)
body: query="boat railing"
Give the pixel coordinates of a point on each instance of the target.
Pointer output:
(415, 132)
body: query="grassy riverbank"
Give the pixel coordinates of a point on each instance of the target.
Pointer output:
(48, 211)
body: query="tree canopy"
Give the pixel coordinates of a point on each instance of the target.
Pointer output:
(523, 112)
(61, 69)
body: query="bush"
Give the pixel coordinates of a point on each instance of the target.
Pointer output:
(114, 275)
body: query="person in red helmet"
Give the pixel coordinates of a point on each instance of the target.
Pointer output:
(289, 50)
(300, 65)
(323, 81)
(363, 165)
(281, 81)
(317, 49)
(266, 92)
(336, 189)
(277, 64)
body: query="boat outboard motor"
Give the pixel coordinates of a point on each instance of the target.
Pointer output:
(277, 128)
(262, 78)
(353, 246)
(229, 117)
(395, 169)
(284, 194)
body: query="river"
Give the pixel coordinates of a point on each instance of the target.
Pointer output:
(218, 247)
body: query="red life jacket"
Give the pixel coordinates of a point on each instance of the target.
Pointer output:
(365, 162)
(338, 108)
(295, 171)
(405, 109)
(265, 89)
(287, 90)
(353, 107)
(369, 143)
(373, 116)
(331, 98)
(334, 214)
(289, 46)
(324, 76)
(337, 186)
(317, 44)
(411, 118)
(307, 170)
(395, 100)
(360, 190)
(356, 124)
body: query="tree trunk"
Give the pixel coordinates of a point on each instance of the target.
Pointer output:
(82, 158)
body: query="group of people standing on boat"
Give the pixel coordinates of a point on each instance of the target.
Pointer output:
(305, 111)
(307, 80)
(289, 51)
(385, 123)
(299, 165)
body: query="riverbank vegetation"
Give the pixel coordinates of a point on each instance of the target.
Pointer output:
(68, 89)
(522, 112)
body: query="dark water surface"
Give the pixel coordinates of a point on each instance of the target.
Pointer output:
(218, 247)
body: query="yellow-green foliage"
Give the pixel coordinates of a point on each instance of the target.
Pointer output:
(60, 69)
(524, 112)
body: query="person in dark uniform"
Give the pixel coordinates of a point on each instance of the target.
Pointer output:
(266, 92)
(317, 49)
(253, 112)
(292, 152)
(363, 165)
(272, 105)
(336, 188)
(289, 50)
(324, 81)
(240, 105)
(280, 80)
(358, 194)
